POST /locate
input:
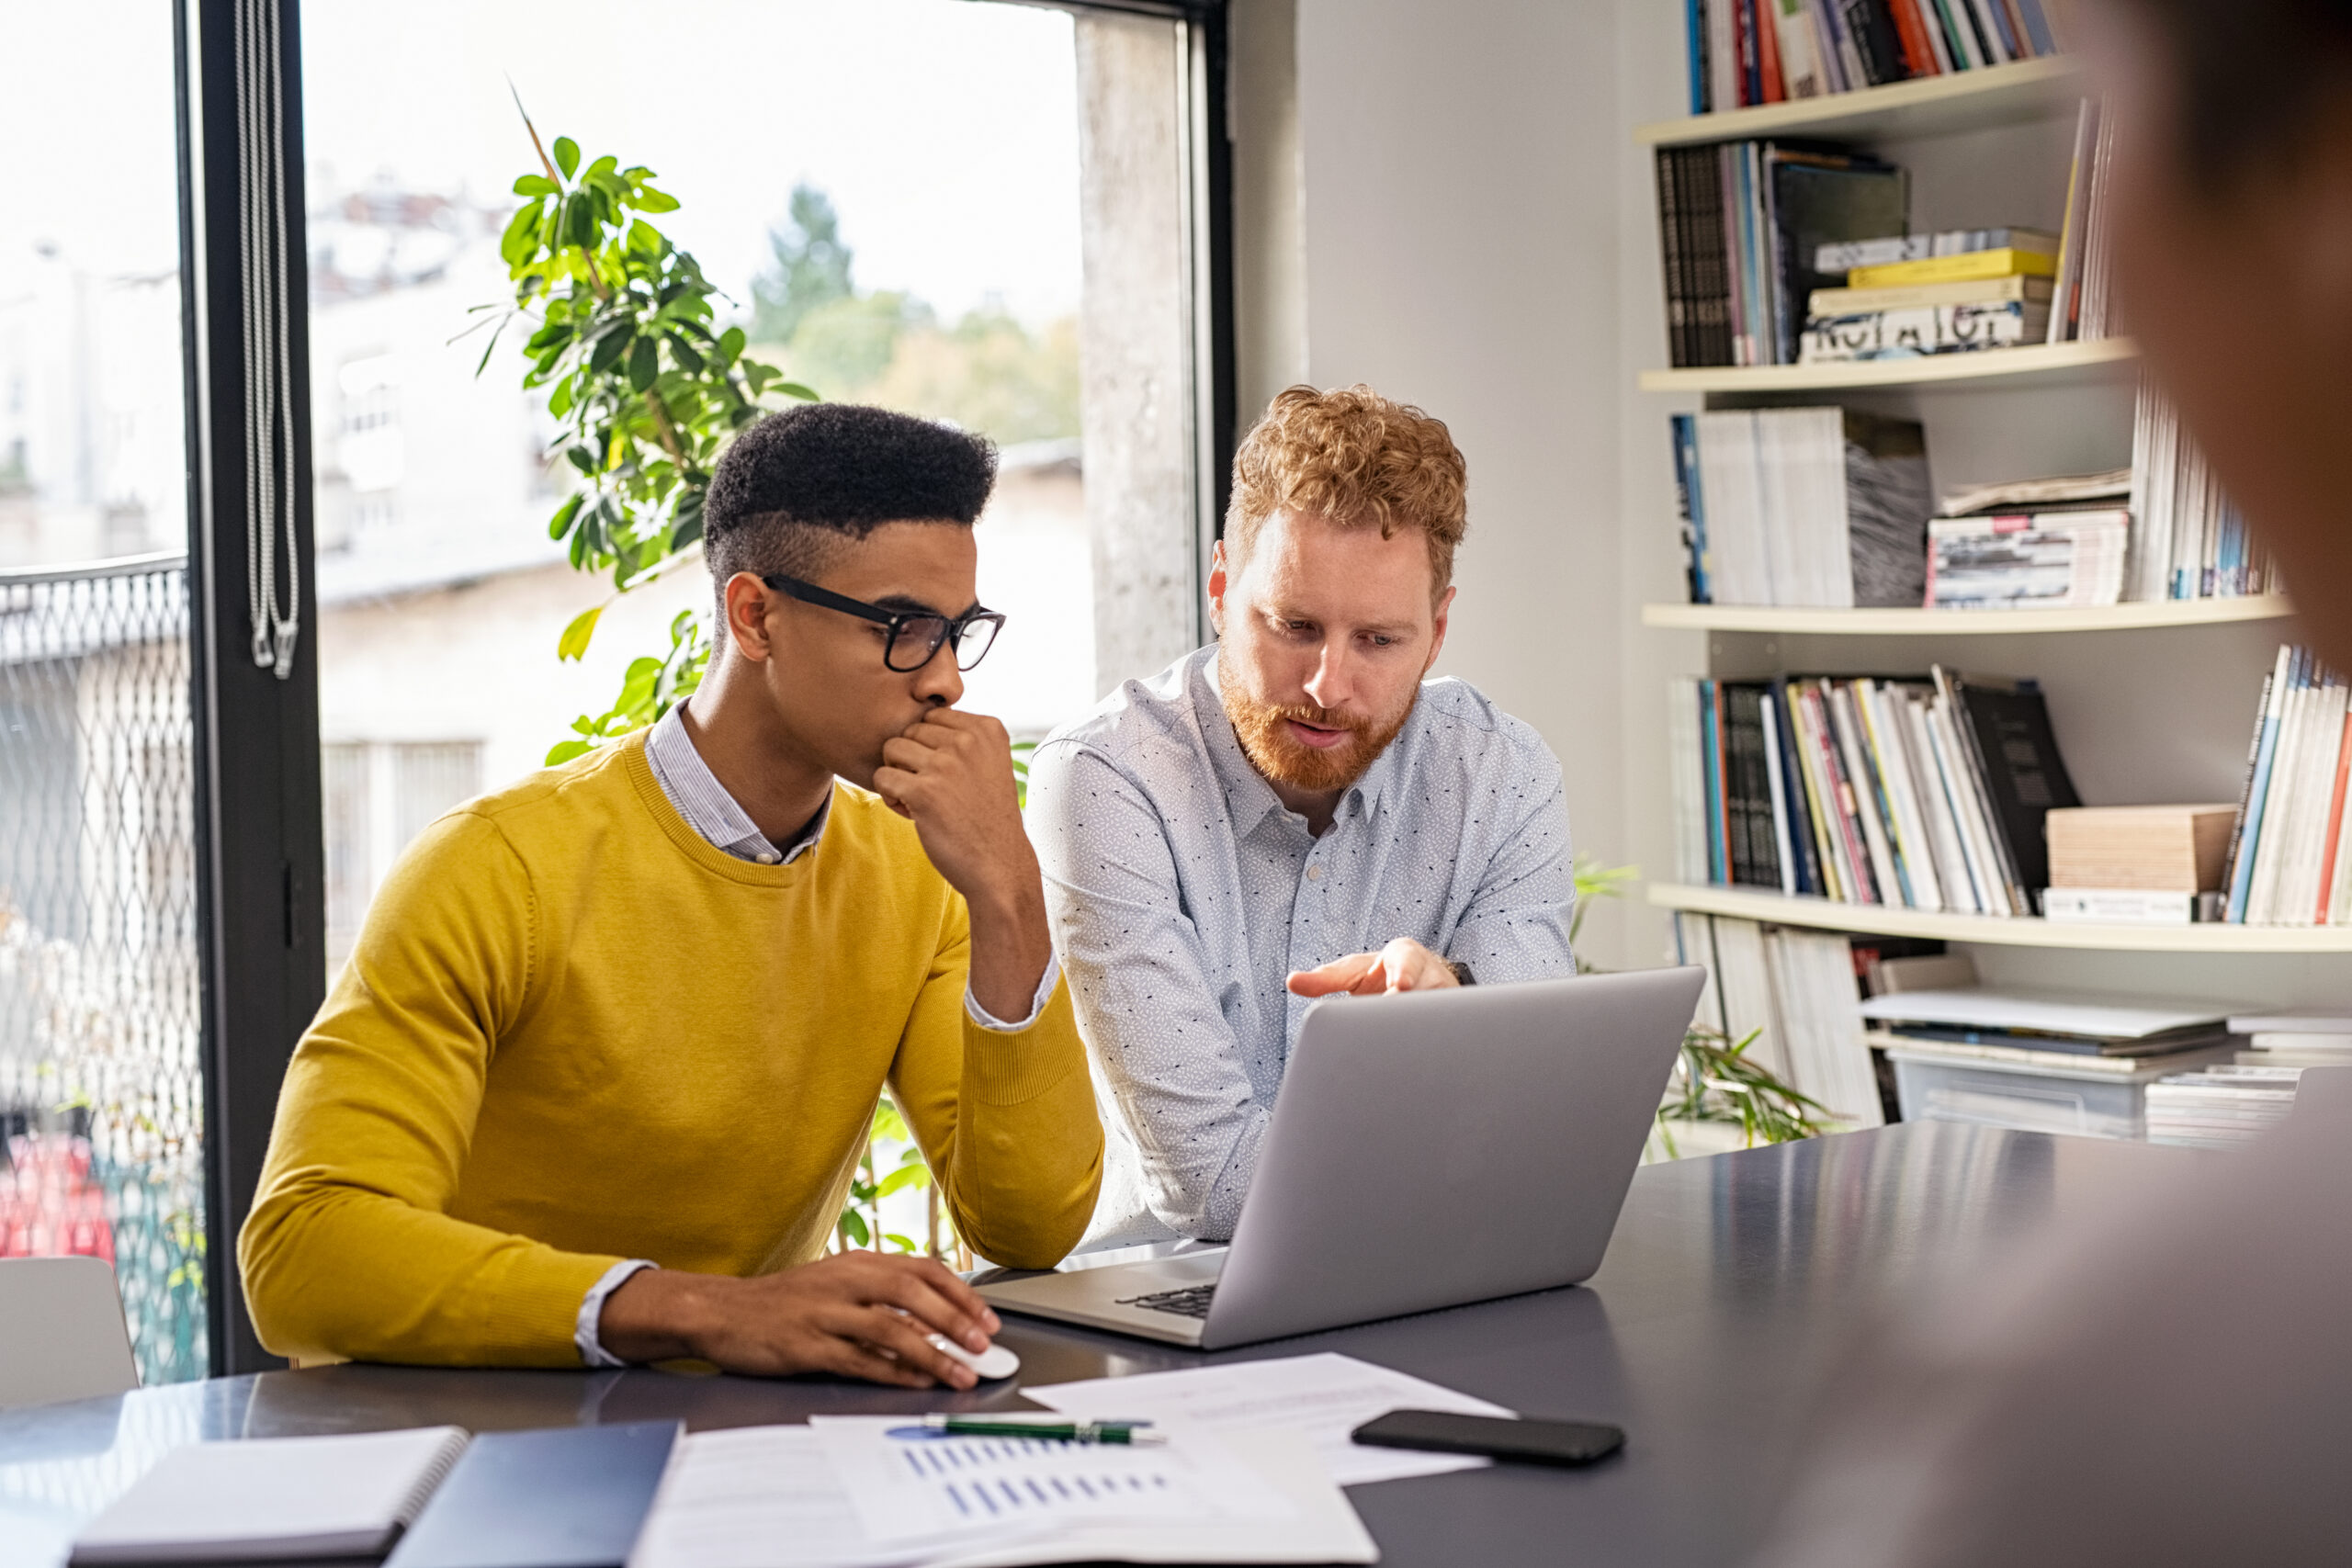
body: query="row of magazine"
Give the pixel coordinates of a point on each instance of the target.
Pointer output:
(2290, 860)
(1922, 794)
(1830, 507)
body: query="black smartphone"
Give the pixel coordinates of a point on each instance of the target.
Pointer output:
(1531, 1442)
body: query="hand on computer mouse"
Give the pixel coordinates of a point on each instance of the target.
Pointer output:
(996, 1361)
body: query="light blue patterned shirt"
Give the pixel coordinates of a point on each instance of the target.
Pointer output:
(1182, 892)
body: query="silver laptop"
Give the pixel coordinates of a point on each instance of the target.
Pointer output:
(1425, 1150)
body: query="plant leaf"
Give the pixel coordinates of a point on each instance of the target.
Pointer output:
(644, 364)
(566, 155)
(562, 752)
(536, 185)
(899, 1181)
(560, 524)
(573, 643)
(520, 238)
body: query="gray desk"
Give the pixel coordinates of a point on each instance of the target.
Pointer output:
(1733, 1284)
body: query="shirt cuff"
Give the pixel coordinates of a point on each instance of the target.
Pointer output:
(591, 1311)
(988, 1019)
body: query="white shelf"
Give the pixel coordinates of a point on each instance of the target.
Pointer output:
(1801, 622)
(1878, 920)
(1932, 106)
(2045, 363)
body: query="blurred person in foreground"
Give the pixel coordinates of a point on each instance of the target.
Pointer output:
(1292, 812)
(2166, 1378)
(592, 1086)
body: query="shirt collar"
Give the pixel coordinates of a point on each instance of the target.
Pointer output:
(714, 813)
(1247, 793)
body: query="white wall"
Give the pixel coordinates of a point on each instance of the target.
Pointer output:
(1461, 253)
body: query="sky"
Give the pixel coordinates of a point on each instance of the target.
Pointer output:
(944, 130)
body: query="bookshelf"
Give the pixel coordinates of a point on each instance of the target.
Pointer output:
(1878, 919)
(2099, 361)
(2153, 700)
(1792, 622)
(1933, 106)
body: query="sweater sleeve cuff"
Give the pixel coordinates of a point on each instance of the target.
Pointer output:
(1008, 1067)
(586, 1331)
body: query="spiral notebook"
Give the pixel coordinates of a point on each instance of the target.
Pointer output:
(274, 1499)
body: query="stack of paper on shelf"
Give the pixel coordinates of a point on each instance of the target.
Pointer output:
(1822, 506)
(2289, 859)
(2219, 1107)
(1916, 795)
(1795, 991)
(2297, 1039)
(2020, 1025)
(2027, 561)
(2137, 865)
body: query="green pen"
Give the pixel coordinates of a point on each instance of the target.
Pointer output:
(1126, 1432)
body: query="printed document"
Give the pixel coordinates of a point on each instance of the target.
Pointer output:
(911, 1481)
(1327, 1396)
(772, 1497)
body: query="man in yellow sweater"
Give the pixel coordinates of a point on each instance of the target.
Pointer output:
(594, 1085)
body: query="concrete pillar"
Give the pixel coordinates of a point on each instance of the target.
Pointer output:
(1139, 403)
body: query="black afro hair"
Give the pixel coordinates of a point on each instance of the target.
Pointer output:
(840, 469)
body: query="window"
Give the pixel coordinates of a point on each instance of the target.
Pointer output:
(375, 797)
(101, 1096)
(989, 214)
(981, 213)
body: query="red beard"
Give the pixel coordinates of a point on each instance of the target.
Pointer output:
(1263, 731)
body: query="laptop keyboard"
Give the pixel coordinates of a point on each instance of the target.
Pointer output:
(1191, 1300)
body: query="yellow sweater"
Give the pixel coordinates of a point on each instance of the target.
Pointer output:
(573, 1031)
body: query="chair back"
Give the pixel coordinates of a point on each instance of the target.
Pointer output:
(62, 1333)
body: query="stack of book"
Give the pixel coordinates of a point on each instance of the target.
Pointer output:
(2219, 1107)
(2295, 1039)
(2189, 540)
(2137, 865)
(1914, 295)
(1816, 506)
(1742, 224)
(1767, 51)
(2290, 862)
(1914, 795)
(1796, 992)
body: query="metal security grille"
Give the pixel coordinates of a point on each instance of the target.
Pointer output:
(101, 1090)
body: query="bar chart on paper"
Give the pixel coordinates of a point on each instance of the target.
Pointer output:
(913, 1482)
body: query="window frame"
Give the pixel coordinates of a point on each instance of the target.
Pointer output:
(261, 927)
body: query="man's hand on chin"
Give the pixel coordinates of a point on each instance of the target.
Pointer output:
(951, 773)
(862, 1315)
(1403, 965)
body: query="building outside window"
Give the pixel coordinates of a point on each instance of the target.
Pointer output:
(969, 212)
(101, 1091)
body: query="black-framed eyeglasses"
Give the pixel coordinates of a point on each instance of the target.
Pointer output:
(916, 635)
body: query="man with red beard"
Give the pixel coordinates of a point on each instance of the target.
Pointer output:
(1291, 812)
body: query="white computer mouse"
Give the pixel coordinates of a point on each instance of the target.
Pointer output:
(996, 1361)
